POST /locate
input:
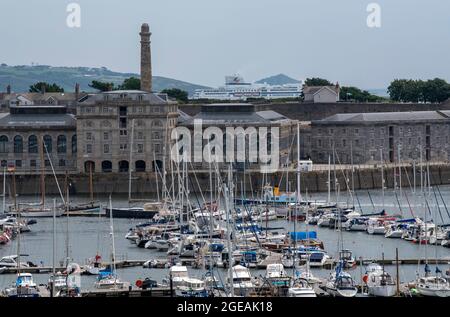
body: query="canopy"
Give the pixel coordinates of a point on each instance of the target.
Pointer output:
(303, 235)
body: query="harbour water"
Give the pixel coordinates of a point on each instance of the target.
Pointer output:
(87, 235)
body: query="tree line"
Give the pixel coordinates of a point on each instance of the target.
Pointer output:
(131, 83)
(409, 90)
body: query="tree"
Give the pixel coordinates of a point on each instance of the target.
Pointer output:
(356, 94)
(408, 90)
(178, 94)
(43, 86)
(315, 81)
(101, 86)
(131, 83)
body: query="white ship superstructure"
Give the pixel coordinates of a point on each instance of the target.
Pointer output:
(236, 88)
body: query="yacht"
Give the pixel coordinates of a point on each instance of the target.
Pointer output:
(341, 284)
(301, 288)
(379, 282)
(24, 287)
(435, 286)
(242, 281)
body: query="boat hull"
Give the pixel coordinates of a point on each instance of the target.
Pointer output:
(131, 213)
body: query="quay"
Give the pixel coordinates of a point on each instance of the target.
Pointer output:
(127, 292)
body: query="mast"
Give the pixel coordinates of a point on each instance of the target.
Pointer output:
(4, 190)
(54, 248)
(130, 165)
(91, 184)
(382, 175)
(298, 196)
(227, 192)
(67, 218)
(329, 179)
(41, 154)
(113, 251)
(18, 220)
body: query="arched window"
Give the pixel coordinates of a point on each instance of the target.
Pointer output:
(89, 166)
(18, 144)
(32, 144)
(124, 166)
(61, 144)
(140, 166)
(106, 166)
(48, 144)
(74, 144)
(4, 163)
(3, 144)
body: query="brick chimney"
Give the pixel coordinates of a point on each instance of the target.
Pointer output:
(146, 58)
(8, 89)
(77, 90)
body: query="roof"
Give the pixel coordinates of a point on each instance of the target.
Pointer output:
(13, 121)
(37, 96)
(127, 95)
(374, 117)
(315, 89)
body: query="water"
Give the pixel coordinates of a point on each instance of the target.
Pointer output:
(89, 235)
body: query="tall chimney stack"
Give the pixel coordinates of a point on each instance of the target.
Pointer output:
(77, 90)
(146, 59)
(8, 89)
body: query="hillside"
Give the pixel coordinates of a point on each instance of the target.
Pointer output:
(280, 79)
(21, 77)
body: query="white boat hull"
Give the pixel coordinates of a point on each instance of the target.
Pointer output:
(382, 291)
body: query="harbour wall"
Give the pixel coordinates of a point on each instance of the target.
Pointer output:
(145, 184)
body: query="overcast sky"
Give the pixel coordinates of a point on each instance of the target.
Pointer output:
(201, 41)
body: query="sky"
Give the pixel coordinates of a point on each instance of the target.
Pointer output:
(201, 41)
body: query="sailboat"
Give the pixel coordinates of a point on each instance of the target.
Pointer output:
(379, 282)
(341, 283)
(107, 278)
(90, 208)
(300, 287)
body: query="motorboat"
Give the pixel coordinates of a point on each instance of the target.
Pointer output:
(301, 288)
(379, 282)
(108, 279)
(24, 287)
(242, 281)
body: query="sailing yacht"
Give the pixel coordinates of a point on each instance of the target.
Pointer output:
(433, 285)
(341, 284)
(301, 288)
(108, 279)
(379, 282)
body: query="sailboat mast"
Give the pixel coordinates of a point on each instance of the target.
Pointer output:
(4, 190)
(113, 251)
(130, 165)
(54, 248)
(329, 179)
(91, 184)
(41, 154)
(67, 218)
(228, 211)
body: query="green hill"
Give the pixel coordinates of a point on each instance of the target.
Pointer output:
(280, 79)
(22, 76)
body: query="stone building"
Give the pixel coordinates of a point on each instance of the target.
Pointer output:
(110, 123)
(24, 129)
(389, 136)
(245, 115)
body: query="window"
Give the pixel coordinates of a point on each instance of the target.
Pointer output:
(156, 135)
(140, 148)
(344, 143)
(18, 163)
(62, 144)
(88, 136)
(157, 148)
(32, 163)
(123, 146)
(105, 148)
(123, 132)
(356, 131)
(32, 144)
(140, 135)
(47, 144)
(105, 136)
(4, 163)
(62, 162)
(140, 109)
(47, 163)
(18, 144)
(89, 148)
(3, 144)
(74, 144)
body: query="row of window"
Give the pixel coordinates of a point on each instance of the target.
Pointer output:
(136, 109)
(18, 144)
(138, 124)
(139, 135)
(381, 130)
(122, 147)
(33, 163)
(123, 166)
